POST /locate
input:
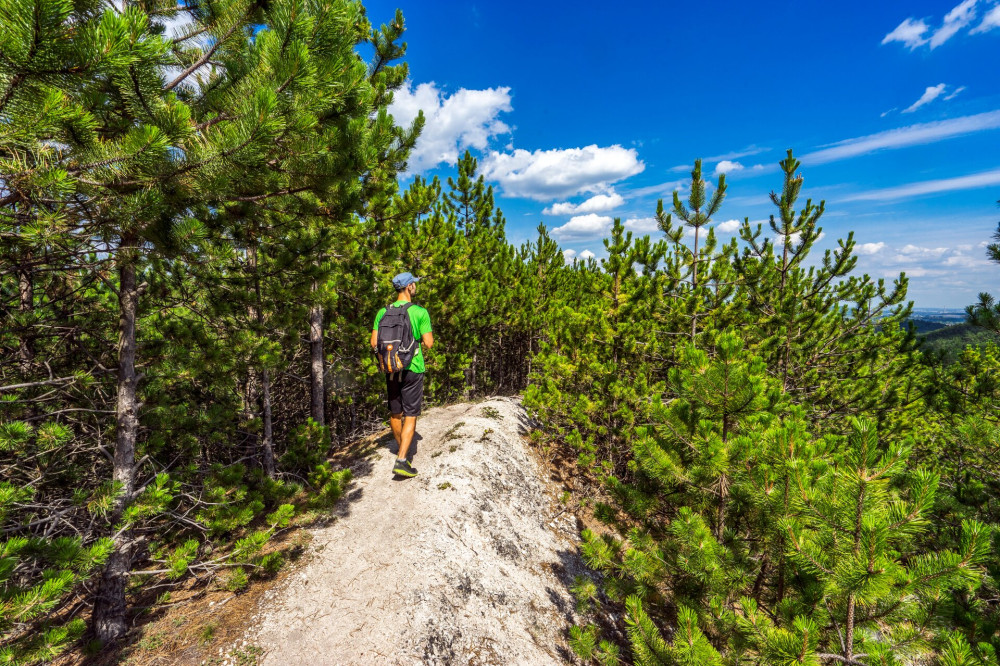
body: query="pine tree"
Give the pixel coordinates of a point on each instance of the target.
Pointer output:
(724, 477)
(379, 149)
(851, 531)
(733, 481)
(692, 268)
(540, 282)
(591, 380)
(470, 207)
(833, 339)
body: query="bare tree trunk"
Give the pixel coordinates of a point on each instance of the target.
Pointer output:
(849, 636)
(354, 418)
(26, 288)
(531, 353)
(316, 361)
(475, 362)
(500, 361)
(109, 620)
(268, 427)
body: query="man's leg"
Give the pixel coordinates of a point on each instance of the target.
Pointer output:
(394, 400)
(411, 391)
(396, 422)
(406, 436)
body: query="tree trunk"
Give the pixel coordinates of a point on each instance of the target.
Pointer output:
(268, 429)
(851, 601)
(849, 633)
(501, 361)
(720, 512)
(758, 583)
(316, 361)
(694, 286)
(475, 362)
(26, 288)
(257, 312)
(109, 607)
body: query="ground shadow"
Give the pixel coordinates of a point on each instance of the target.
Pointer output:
(569, 567)
(393, 447)
(525, 424)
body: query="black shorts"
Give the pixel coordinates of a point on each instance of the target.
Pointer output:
(405, 392)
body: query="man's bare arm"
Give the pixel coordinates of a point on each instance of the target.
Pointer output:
(428, 339)
(374, 340)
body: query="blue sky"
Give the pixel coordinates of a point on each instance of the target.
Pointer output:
(581, 113)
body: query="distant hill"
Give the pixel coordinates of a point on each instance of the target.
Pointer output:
(951, 340)
(940, 315)
(924, 326)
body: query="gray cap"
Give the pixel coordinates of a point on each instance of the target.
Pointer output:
(403, 280)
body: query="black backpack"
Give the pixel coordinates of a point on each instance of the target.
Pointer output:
(396, 346)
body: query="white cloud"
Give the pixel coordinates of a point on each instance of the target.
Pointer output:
(920, 271)
(925, 261)
(869, 248)
(990, 20)
(726, 166)
(465, 119)
(911, 135)
(661, 188)
(642, 225)
(595, 204)
(954, 93)
(972, 181)
(960, 260)
(728, 227)
(909, 32)
(546, 174)
(178, 25)
(913, 33)
(560, 209)
(569, 254)
(930, 94)
(582, 227)
(911, 251)
(587, 254)
(796, 237)
(960, 16)
(749, 150)
(752, 149)
(950, 271)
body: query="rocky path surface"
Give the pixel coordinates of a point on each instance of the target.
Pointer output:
(468, 563)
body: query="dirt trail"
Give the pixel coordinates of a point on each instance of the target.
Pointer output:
(468, 563)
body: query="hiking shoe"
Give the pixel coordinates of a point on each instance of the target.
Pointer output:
(404, 468)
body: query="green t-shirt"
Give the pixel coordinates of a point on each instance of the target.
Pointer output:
(421, 321)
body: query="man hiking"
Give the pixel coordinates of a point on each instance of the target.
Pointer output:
(404, 325)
